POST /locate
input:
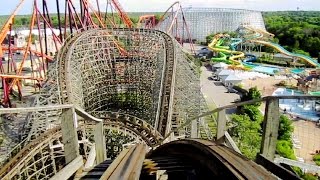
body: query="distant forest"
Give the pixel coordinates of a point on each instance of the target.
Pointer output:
(297, 31)
(24, 20)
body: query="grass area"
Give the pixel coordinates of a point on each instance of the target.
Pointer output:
(211, 122)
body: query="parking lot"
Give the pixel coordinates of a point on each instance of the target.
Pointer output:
(214, 92)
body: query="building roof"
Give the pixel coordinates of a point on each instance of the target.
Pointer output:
(26, 32)
(232, 77)
(220, 65)
(225, 72)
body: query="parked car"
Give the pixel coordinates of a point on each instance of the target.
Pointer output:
(205, 52)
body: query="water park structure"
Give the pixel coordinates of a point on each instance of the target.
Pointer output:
(251, 35)
(279, 48)
(216, 45)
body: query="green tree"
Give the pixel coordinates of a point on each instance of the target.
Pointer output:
(209, 38)
(246, 134)
(284, 149)
(308, 176)
(295, 30)
(316, 159)
(253, 112)
(299, 51)
(285, 128)
(134, 20)
(25, 21)
(253, 93)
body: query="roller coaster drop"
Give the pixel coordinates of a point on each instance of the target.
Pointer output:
(136, 81)
(74, 21)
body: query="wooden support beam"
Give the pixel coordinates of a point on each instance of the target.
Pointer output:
(91, 158)
(100, 142)
(69, 135)
(230, 143)
(194, 129)
(307, 167)
(222, 123)
(278, 170)
(69, 170)
(82, 113)
(34, 109)
(270, 128)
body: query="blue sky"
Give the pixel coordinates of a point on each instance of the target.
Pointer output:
(7, 6)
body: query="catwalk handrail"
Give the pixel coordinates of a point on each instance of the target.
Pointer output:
(75, 111)
(270, 124)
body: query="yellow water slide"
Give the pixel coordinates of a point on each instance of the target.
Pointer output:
(279, 48)
(215, 46)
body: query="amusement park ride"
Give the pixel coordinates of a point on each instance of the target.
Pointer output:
(111, 90)
(73, 19)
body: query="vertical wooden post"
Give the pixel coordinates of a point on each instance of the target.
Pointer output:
(194, 129)
(270, 128)
(100, 142)
(222, 123)
(69, 135)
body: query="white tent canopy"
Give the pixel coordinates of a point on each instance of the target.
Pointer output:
(220, 65)
(225, 72)
(232, 80)
(232, 77)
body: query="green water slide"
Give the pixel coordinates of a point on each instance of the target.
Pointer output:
(316, 93)
(223, 51)
(222, 57)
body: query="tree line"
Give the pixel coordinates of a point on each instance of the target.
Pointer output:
(297, 31)
(25, 20)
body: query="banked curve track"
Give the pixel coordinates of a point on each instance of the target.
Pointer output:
(144, 94)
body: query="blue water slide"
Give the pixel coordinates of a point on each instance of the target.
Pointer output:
(249, 58)
(235, 42)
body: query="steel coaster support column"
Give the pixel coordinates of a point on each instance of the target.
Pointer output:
(66, 19)
(100, 142)
(69, 16)
(59, 20)
(45, 15)
(98, 6)
(69, 135)
(18, 72)
(40, 34)
(270, 128)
